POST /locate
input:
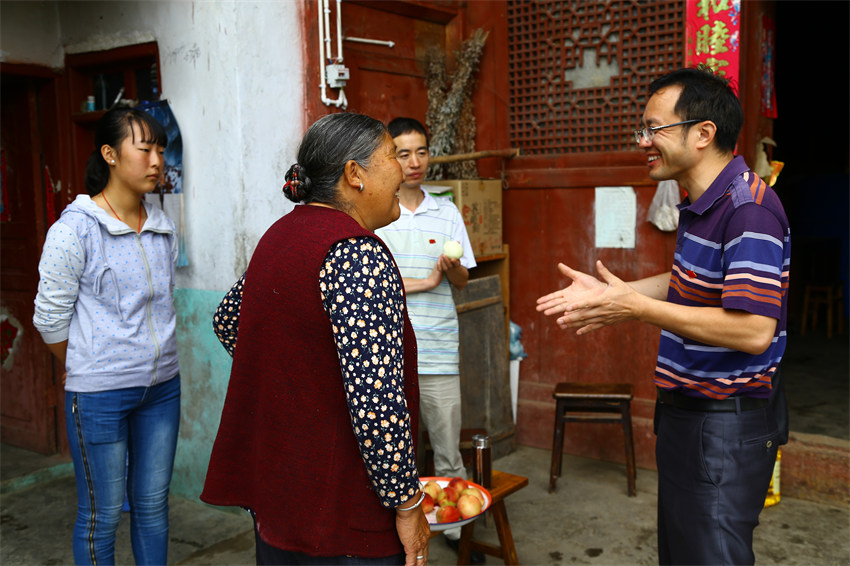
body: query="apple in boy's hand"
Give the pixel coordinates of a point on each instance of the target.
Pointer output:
(469, 506)
(452, 249)
(448, 514)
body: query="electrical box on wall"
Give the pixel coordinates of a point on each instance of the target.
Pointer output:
(337, 75)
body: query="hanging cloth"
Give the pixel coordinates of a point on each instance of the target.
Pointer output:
(170, 189)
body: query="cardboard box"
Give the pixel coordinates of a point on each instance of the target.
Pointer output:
(480, 203)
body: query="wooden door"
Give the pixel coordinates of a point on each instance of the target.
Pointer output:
(28, 403)
(385, 82)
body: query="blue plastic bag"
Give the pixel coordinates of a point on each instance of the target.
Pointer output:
(516, 350)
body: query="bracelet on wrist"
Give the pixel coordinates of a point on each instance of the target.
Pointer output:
(415, 505)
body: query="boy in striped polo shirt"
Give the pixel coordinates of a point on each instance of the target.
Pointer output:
(722, 310)
(416, 240)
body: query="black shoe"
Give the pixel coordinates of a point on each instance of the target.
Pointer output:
(475, 556)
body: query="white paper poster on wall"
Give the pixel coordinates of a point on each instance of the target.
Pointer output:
(616, 214)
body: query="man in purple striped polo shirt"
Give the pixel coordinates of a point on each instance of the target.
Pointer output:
(722, 311)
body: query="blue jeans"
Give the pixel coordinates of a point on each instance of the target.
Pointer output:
(103, 428)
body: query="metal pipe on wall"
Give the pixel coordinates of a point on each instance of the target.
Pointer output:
(371, 41)
(326, 10)
(324, 44)
(339, 31)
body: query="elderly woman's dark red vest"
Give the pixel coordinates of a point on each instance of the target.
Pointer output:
(285, 447)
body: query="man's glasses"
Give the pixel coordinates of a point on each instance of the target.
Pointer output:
(649, 133)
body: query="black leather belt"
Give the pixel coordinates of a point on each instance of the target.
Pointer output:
(728, 405)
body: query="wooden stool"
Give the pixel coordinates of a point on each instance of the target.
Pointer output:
(831, 296)
(597, 403)
(502, 485)
(466, 435)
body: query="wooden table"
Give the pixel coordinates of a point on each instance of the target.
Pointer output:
(502, 485)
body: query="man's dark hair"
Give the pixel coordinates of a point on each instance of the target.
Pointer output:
(400, 126)
(706, 96)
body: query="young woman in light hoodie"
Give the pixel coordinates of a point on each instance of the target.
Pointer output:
(105, 309)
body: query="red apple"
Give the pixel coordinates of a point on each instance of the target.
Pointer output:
(433, 489)
(469, 506)
(451, 493)
(427, 503)
(459, 484)
(448, 514)
(473, 491)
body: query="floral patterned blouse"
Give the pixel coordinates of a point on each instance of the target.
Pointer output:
(364, 298)
(226, 317)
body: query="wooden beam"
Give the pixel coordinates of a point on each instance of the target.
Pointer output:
(429, 11)
(480, 303)
(577, 177)
(507, 153)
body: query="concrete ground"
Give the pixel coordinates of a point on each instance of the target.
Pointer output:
(589, 520)
(816, 370)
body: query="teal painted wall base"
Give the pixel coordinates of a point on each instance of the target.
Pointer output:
(204, 375)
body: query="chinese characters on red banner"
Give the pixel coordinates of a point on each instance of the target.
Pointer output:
(768, 53)
(713, 28)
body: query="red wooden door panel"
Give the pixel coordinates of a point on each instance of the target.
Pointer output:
(385, 82)
(27, 404)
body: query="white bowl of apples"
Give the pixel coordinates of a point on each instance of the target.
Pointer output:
(452, 502)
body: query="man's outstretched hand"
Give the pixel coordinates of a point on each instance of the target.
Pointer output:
(588, 303)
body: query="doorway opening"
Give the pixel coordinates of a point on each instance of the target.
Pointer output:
(811, 134)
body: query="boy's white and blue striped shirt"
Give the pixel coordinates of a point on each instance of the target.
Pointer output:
(416, 240)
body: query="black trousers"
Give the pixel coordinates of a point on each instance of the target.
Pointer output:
(714, 469)
(269, 555)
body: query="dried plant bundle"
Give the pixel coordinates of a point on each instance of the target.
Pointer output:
(450, 116)
(464, 143)
(435, 82)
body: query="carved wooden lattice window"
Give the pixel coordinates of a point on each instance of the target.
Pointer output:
(579, 70)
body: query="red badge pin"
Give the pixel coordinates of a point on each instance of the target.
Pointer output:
(691, 274)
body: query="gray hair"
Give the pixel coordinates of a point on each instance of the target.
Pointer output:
(330, 143)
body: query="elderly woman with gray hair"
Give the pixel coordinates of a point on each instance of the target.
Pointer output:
(317, 433)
